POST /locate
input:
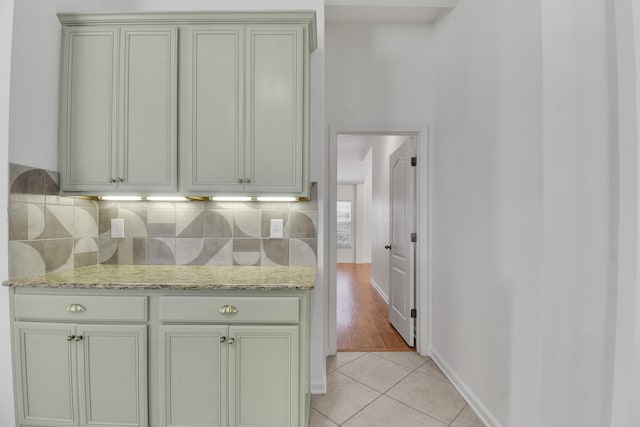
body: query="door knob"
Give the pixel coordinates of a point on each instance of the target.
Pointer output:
(387, 246)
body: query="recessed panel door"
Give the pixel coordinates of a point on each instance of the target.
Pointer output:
(193, 375)
(88, 109)
(148, 106)
(112, 375)
(264, 376)
(46, 374)
(275, 85)
(402, 271)
(212, 108)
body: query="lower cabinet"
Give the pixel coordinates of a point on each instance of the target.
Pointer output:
(219, 375)
(81, 375)
(113, 358)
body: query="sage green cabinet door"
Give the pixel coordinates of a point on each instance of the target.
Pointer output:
(88, 108)
(193, 376)
(212, 108)
(264, 376)
(45, 365)
(112, 375)
(118, 109)
(274, 125)
(148, 98)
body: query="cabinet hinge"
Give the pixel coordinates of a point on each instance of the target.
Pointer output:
(414, 161)
(414, 237)
(414, 313)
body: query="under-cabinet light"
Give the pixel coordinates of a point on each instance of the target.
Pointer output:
(121, 198)
(277, 199)
(230, 199)
(167, 198)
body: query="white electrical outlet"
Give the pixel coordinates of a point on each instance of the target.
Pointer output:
(277, 229)
(117, 227)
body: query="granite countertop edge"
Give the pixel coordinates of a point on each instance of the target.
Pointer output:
(174, 277)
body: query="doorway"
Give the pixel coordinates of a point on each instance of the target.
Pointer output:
(358, 268)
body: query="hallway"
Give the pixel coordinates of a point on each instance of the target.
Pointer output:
(362, 322)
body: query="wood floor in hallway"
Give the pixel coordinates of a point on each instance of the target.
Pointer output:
(362, 322)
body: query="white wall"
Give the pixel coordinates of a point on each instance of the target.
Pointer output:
(580, 199)
(626, 389)
(347, 192)
(34, 106)
(525, 212)
(363, 217)
(378, 73)
(380, 214)
(487, 207)
(7, 418)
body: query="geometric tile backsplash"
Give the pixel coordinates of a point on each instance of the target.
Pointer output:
(50, 233)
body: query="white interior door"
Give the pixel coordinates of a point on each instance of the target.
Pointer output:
(402, 250)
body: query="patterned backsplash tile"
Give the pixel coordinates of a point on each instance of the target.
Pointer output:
(49, 233)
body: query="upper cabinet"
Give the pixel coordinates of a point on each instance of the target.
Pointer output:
(244, 116)
(237, 115)
(118, 114)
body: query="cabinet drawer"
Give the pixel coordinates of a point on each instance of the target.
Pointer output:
(80, 308)
(230, 310)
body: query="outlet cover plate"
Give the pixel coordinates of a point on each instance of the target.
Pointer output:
(117, 228)
(277, 229)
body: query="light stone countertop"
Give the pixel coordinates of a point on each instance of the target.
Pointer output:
(179, 277)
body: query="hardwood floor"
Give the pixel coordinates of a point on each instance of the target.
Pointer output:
(362, 322)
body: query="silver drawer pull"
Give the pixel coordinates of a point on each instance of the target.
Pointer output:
(228, 309)
(76, 308)
(232, 340)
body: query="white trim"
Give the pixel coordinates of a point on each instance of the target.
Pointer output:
(423, 204)
(7, 383)
(393, 3)
(318, 388)
(626, 376)
(474, 402)
(379, 290)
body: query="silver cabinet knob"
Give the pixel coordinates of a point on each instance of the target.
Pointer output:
(78, 338)
(223, 339)
(71, 338)
(240, 180)
(232, 340)
(76, 308)
(228, 309)
(247, 180)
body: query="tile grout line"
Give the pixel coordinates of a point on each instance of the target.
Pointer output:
(337, 370)
(418, 410)
(456, 417)
(362, 409)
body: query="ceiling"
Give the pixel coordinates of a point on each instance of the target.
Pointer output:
(413, 11)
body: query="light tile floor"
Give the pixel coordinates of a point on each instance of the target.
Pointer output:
(389, 389)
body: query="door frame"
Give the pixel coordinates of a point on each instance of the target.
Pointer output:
(626, 368)
(423, 226)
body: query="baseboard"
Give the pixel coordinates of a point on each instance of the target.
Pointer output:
(474, 402)
(377, 288)
(318, 388)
